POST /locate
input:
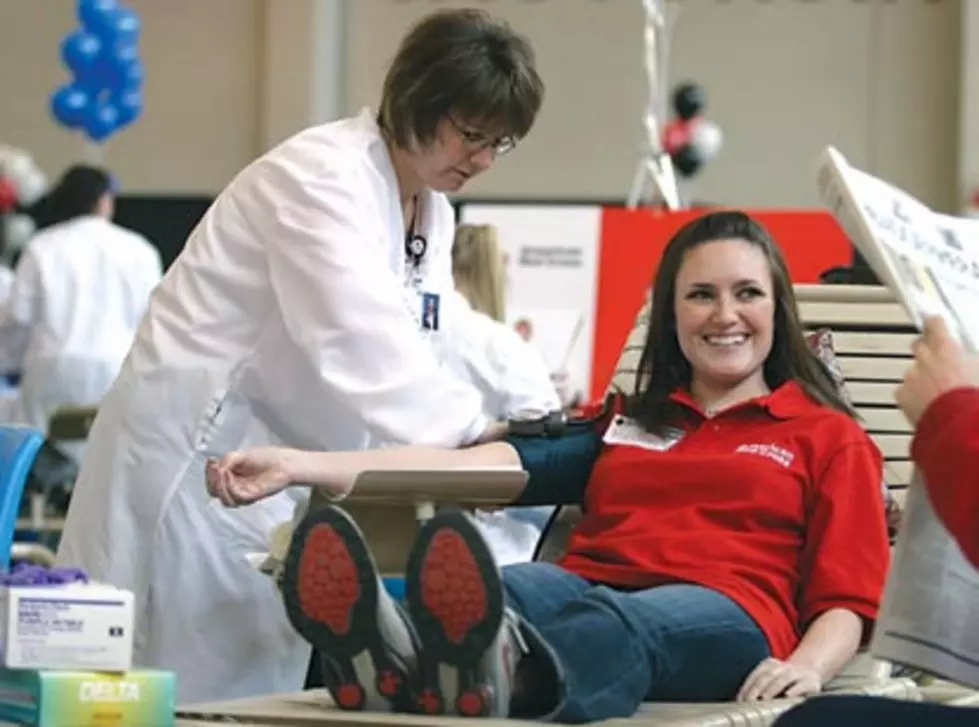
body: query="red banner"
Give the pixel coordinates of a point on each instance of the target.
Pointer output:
(579, 272)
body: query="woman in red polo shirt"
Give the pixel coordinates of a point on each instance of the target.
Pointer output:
(733, 543)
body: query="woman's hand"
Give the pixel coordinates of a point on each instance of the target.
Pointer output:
(247, 476)
(775, 678)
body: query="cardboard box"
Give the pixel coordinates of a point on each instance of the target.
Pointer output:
(88, 699)
(77, 626)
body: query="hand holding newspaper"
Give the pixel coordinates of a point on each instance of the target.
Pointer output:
(930, 615)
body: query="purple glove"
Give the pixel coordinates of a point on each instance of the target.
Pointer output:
(26, 574)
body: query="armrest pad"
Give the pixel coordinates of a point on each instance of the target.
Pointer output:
(465, 487)
(71, 423)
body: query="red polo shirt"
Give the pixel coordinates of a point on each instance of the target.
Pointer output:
(946, 449)
(775, 503)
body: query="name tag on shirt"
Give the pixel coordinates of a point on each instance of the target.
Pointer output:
(430, 311)
(625, 431)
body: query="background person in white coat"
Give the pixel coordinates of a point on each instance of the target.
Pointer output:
(294, 315)
(78, 292)
(509, 372)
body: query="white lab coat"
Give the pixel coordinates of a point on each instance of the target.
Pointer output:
(512, 377)
(78, 293)
(510, 374)
(6, 281)
(289, 317)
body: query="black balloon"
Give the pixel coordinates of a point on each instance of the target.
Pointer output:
(687, 160)
(688, 100)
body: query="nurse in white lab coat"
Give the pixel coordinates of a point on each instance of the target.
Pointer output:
(77, 295)
(294, 315)
(509, 372)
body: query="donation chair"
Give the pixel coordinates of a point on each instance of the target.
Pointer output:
(870, 336)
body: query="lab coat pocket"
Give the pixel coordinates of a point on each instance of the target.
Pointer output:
(229, 424)
(223, 424)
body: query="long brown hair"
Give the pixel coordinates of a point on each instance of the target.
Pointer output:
(663, 368)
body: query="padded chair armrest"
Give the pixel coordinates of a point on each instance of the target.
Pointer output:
(464, 488)
(71, 423)
(862, 670)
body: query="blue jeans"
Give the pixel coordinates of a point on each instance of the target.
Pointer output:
(619, 648)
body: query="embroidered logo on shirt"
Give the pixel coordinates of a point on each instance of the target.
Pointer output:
(775, 453)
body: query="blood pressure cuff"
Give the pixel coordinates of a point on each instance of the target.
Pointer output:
(558, 467)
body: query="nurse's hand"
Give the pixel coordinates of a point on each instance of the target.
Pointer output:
(241, 478)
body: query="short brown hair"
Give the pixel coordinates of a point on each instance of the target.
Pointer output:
(465, 63)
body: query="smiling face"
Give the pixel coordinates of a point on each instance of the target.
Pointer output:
(725, 312)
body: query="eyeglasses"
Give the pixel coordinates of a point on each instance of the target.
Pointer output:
(477, 141)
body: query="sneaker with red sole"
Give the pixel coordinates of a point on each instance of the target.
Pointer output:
(335, 599)
(470, 641)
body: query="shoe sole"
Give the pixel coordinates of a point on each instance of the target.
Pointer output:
(330, 587)
(455, 599)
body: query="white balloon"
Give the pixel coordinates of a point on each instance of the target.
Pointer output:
(18, 229)
(31, 186)
(706, 138)
(28, 181)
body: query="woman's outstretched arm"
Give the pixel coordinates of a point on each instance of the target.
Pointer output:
(243, 477)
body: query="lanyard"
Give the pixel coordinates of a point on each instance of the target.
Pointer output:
(415, 248)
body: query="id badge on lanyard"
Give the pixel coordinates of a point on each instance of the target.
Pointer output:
(425, 305)
(625, 431)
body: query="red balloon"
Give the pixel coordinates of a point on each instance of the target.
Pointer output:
(8, 196)
(676, 135)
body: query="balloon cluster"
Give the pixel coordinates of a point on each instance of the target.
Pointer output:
(26, 574)
(106, 91)
(22, 184)
(690, 139)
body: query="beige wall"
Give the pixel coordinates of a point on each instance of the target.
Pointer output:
(783, 78)
(968, 156)
(229, 77)
(202, 91)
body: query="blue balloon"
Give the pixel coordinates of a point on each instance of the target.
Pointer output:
(122, 68)
(131, 76)
(70, 105)
(96, 16)
(80, 52)
(125, 26)
(106, 93)
(130, 106)
(102, 121)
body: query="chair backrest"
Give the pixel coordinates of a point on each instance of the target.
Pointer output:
(872, 337)
(18, 448)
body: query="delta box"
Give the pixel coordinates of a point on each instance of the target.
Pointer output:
(141, 698)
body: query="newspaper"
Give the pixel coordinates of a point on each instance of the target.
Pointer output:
(929, 618)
